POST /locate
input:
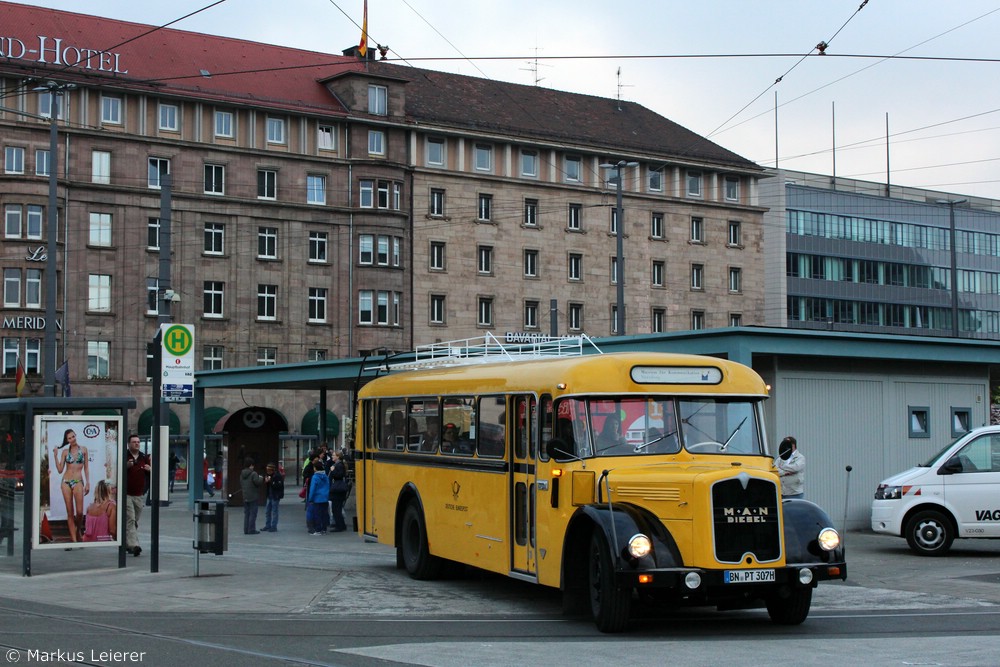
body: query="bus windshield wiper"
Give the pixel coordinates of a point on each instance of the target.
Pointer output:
(733, 434)
(655, 440)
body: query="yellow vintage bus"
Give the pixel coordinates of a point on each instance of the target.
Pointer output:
(618, 478)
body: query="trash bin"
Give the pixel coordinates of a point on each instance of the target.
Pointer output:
(212, 528)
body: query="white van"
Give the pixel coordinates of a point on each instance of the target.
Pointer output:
(954, 494)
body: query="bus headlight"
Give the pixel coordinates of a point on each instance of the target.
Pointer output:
(828, 539)
(639, 546)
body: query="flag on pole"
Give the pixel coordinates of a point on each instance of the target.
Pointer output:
(363, 46)
(19, 378)
(62, 377)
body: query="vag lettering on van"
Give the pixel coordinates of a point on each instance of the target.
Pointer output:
(987, 515)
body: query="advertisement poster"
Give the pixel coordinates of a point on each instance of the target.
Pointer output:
(78, 497)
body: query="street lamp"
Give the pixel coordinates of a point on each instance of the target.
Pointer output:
(619, 259)
(49, 347)
(951, 203)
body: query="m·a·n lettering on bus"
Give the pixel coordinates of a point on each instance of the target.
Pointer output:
(618, 478)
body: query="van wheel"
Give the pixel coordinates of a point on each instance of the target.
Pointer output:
(789, 607)
(413, 549)
(929, 533)
(609, 602)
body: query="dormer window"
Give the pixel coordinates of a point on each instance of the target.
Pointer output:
(378, 100)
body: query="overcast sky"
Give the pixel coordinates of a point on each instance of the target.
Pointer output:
(943, 110)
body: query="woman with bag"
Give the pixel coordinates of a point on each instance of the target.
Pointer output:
(339, 489)
(317, 501)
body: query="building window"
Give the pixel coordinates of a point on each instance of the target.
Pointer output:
(735, 320)
(326, 138)
(46, 100)
(315, 189)
(656, 226)
(366, 249)
(267, 302)
(382, 307)
(267, 356)
(12, 221)
(575, 222)
(212, 358)
(213, 293)
(697, 230)
(485, 318)
(530, 314)
(697, 276)
(36, 214)
(735, 280)
(13, 160)
(613, 272)
(697, 319)
(483, 157)
(169, 117)
(656, 180)
(961, 423)
(383, 251)
(694, 184)
(376, 142)
(316, 354)
(575, 266)
(378, 100)
(158, 168)
(100, 230)
(575, 316)
(732, 188)
(383, 194)
(267, 243)
(100, 167)
(437, 309)
(99, 293)
(33, 288)
(659, 271)
(530, 263)
(437, 257)
(215, 179)
(317, 305)
(529, 164)
(396, 250)
(98, 359)
(397, 196)
(919, 421)
(658, 320)
(267, 184)
(12, 288)
(735, 233)
(611, 175)
(275, 130)
(485, 260)
(42, 162)
(152, 234)
(437, 203)
(530, 212)
(366, 194)
(366, 313)
(215, 238)
(32, 356)
(152, 296)
(573, 169)
(224, 124)
(614, 319)
(111, 110)
(613, 224)
(485, 207)
(318, 247)
(435, 151)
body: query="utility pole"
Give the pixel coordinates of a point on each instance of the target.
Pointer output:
(951, 203)
(161, 411)
(619, 235)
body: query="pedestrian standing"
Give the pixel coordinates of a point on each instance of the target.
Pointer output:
(250, 484)
(275, 483)
(791, 465)
(338, 492)
(172, 470)
(318, 500)
(137, 467)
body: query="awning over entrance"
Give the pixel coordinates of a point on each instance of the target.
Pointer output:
(211, 419)
(145, 424)
(310, 425)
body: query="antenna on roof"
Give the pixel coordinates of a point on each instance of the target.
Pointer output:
(620, 86)
(534, 68)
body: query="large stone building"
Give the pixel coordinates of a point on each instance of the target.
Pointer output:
(324, 206)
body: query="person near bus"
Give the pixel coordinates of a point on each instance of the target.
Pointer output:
(338, 493)
(791, 465)
(611, 432)
(318, 500)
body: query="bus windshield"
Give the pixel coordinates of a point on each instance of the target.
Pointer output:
(656, 425)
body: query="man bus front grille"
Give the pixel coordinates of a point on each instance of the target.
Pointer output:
(745, 519)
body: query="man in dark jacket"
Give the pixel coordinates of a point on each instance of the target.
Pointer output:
(250, 483)
(275, 482)
(137, 466)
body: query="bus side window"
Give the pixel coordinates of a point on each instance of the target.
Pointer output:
(393, 424)
(492, 426)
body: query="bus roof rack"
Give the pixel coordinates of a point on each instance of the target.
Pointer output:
(490, 349)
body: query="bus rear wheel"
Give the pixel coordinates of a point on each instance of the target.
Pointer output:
(609, 602)
(413, 549)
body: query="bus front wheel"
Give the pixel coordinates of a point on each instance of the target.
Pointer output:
(609, 602)
(413, 548)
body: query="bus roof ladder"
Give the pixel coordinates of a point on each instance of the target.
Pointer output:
(490, 349)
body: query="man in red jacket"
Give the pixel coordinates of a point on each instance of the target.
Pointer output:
(137, 467)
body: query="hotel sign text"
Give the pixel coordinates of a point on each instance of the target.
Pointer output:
(52, 50)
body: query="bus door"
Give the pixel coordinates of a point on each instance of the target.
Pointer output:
(522, 419)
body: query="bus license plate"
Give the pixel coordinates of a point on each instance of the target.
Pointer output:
(748, 576)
